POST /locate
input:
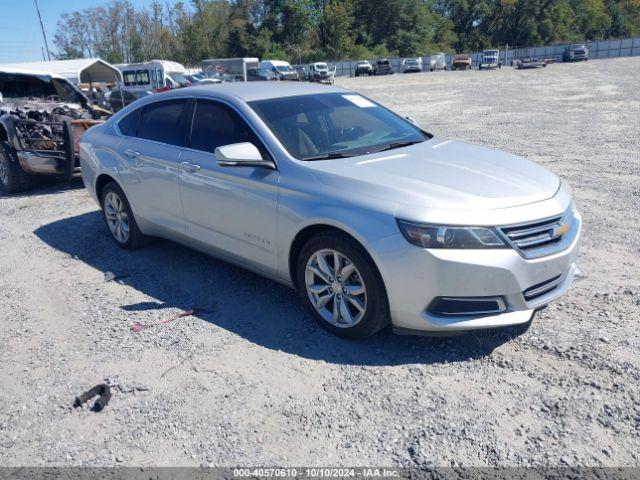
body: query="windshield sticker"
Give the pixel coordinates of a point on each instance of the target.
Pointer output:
(359, 101)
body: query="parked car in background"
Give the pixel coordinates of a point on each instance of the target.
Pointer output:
(530, 62)
(446, 237)
(260, 75)
(462, 61)
(363, 67)
(438, 61)
(283, 70)
(575, 53)
(490, 59)
(116, 97)
(320, 72)
(42, 117)
(200, 80)
(383, 67)
(412, 65)
(303, 73)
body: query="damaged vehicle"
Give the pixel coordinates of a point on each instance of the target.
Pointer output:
(42, 117)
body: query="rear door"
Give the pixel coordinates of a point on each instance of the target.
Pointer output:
(151, 154)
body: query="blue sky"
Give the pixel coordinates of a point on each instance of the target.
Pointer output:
(20, 35)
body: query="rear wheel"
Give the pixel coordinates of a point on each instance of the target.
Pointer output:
(119, 218)
(341, 287)
(13, 178)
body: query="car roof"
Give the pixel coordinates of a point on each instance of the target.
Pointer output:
(251, 91)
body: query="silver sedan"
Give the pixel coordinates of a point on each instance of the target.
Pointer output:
(370, 218)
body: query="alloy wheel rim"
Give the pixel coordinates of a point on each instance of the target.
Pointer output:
(336, 288)
(117, 217)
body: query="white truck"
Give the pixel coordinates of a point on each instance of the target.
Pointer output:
(239, 69)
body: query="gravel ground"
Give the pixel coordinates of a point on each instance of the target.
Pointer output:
(256, 382)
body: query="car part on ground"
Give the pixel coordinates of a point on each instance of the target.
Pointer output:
(376, 218)
(104, 395)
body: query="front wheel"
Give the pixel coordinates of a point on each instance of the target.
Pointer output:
(119, 218)
(341, 287)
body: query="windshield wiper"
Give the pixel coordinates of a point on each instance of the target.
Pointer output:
(393, 145)
(328, 156)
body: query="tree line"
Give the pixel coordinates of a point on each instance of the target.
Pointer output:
(304, 31)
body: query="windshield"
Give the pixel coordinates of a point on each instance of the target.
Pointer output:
(31, 86)
(334, 125)
(284, 68)
(322, 66)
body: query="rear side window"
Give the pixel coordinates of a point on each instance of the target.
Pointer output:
(129, 124)
(215, 125)
(162, 122)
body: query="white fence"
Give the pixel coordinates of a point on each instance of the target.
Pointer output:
(600, 49)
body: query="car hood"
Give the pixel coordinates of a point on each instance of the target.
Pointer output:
(440, 174)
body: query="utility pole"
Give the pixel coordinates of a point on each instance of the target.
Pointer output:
(44, 35)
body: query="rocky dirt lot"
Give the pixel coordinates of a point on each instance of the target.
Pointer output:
(256, 382)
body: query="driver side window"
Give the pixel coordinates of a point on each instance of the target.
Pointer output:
(215, 125)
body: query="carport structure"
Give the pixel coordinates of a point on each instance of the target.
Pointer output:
(83, 70)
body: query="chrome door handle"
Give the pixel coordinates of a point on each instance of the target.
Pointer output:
(190, 167)
(131, 153)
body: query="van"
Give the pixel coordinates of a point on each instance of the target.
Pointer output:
(283, 70)
(155, 75)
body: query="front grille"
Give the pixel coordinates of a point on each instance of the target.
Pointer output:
(542, 288)
(543, 237)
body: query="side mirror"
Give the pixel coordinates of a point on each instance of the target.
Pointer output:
(241, 155)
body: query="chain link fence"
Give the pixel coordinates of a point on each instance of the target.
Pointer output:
(599, 49)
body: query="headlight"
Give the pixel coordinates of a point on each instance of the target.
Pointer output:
(435, 236)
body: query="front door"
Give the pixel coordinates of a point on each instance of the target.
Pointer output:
(230, 208)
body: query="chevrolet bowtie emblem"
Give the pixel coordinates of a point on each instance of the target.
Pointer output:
(560, 230)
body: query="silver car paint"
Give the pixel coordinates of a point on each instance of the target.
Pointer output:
(251, 216)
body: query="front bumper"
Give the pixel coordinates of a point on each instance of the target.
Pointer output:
(414, 277)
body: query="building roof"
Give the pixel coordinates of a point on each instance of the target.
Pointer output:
(83, 70)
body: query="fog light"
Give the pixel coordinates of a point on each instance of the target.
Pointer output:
(467, 305)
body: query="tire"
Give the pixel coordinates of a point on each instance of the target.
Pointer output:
(112, 212)
(372, 311)
(13, 178)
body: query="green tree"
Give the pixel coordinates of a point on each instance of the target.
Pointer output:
(334, 29)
